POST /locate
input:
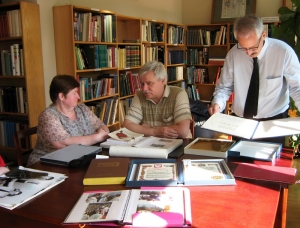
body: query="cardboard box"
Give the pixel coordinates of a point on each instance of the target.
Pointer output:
(209, 147)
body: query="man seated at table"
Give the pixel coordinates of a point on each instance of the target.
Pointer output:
(158, 109)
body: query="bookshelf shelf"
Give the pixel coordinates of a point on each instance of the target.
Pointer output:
(22, 107)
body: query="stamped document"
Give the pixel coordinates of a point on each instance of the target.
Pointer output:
(252, 129)
(204, 171)
(157, 171)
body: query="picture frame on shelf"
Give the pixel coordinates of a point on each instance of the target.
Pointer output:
(222, 10)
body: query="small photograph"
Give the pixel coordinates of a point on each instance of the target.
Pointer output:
(157, 145)
(145, 208)
(96, 211)
(102, 197)
(155, 196)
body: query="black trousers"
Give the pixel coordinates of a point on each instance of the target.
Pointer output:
(280, 139)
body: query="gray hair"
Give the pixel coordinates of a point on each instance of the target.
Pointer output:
(158, 69)
(243, 26)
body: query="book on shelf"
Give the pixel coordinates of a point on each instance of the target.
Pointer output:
(18, 189)
(146, 207)
(252, 129)
(148, 147)
(106, 171)
(209, 147)
(188, 172)
(266, 173)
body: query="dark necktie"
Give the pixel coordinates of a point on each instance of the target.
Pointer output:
(252, 96)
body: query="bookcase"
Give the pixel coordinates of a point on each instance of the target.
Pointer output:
(22, 75)
(175, 51)
(134, 41)
(206, 49)
(86, 47)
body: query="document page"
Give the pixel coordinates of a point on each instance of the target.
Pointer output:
(280, 127)
(231, 125)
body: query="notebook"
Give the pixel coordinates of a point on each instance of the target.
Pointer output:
(70, 154)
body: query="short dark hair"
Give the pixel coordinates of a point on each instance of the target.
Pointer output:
(62, 84)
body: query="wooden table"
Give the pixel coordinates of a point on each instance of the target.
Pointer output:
(248, 204)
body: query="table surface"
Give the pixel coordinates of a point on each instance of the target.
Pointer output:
(249, 203)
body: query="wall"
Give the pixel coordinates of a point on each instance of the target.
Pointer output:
(199, 12)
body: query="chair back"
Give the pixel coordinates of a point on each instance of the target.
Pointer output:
(23, 136)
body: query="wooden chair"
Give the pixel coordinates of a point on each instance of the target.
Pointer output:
(18, 136)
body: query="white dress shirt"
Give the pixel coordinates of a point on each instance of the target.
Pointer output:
(279, 78)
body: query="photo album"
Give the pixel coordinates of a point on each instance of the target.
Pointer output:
(146, 207)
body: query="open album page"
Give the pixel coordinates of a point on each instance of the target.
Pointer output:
(99, 206)
(145, 207)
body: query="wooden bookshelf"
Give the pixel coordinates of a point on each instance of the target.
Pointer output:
(201, 39)
(104, 41)
(32, 79)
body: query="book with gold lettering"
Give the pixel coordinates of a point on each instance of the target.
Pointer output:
(106, 171)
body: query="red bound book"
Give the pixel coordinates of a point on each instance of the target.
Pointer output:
(266, 173)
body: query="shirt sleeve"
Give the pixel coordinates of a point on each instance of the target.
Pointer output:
(135, 113)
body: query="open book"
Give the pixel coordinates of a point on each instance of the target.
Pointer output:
(148, 147)
(26, 184)
(147, 207)
(188, 172)
(252, 129)
(125, 135)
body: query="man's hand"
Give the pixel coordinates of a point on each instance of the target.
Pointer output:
(215, 108)
(166, 132)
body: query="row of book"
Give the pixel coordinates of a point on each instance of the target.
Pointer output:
(129, 83)
(13, 99)
(196, 75)
(106, 110)
(197, 56)
(7, 129)
(175, 73)
(176, 57)
(10, 23)
(206, 37)
(152, 31)
(95, 28)
(103, 56)
(12, 61)
(155, 53)
(193, 92)
(175, 34)
(105, 85)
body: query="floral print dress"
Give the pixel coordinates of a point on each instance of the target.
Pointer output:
(55, 126)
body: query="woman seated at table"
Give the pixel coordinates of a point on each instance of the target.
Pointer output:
(65, 122)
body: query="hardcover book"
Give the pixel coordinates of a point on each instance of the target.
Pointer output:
(148, 147)
(252, 129)
(158, 172)
(209, 147)
(147, 207)
(266, 173)
(106, 171)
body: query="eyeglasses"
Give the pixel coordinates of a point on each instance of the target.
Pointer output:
(251, 48)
